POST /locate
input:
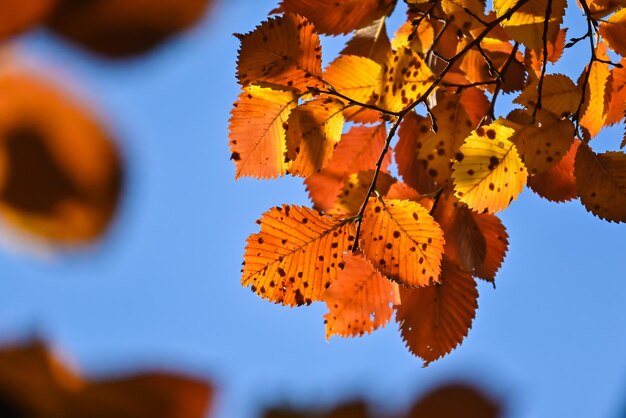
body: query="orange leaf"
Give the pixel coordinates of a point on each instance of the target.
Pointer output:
(601, 183)
(358, 150)
(296, 256)
(559, 95)
(617, 94)
(542, 143)
(313, 130)
(61, 174)
(257, 131)
(435, 319)
(354, 192)
(121, 28)
(558, 183)
(360, 300)
(34, 383)
(403, 241)
(283, 50)
(412, 170)
(16, 17)
(334, 17)
(612, 32)
(477, 241)
(593, 112)
(370, 42)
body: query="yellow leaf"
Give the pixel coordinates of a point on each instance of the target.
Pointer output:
(419, 38)
(526, 25)
(594, 110)
(403, 241)
(283, 50)
(601, 183)
(257, 131)
(435, 319)
(359, 79)
(313, 130)
(360, 300)
(559, 95)
(354, 191)
(296, 256)
(405, 78)
(488, 173)
(334, 17)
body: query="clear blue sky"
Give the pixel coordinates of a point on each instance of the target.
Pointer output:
(164, 288)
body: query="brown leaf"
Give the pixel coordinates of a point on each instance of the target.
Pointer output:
(17, 17)
(370, 42)
(455, 400)
(435, 319)
(558, 183)
(412, 170)
(122, 28)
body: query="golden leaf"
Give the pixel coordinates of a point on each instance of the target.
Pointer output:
(354, 191)
(403, 241)
(313, 130)
(612, 31)
(296, 256)
(488, 173)
(594, 110)
(559, 95)
(257, 131)
(360, 300)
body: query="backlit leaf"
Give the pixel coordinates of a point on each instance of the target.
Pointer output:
(358, 150)
(435, 319)
(558, 183)
(333, 17)
(121, 28)
(559, 95)
(313, 130)
(406, 77)
(617, 94)
(354, 190)
(601, 183)
(360, 300)
(296, 256)
(62, 175)
(283, 50)
(593, 112)
(612, 31)
(403, 241)
(413, 171)
(370, 42)
(488, 173)
(257, 131)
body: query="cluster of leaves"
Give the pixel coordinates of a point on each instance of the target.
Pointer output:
(375, 243)
(61, 173)
(452, 400)
(35, 383)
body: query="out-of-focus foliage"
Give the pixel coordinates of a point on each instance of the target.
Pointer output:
(434, 84)
(17, 16)
(35, 383)
(453, 400)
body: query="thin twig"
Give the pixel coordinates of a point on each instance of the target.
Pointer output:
(546, 25)
(499, 85)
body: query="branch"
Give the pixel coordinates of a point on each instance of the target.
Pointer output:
(499, 84)
(351, 102)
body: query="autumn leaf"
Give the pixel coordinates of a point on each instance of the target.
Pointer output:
(313, 130)
(476, 241)
(612, 31)
(358, 78)
(334, 17)
(296, 256)
(435, 319)
(284, 50)
(488, 173)
(419, 38)
(413, 171)
(542, 143)
(62, 174)
(121, 28)
(257, 131)
(616, 89)
(16, 17)
(593, 112)
(34, 383)
(558, 183)
(370, 42)
(601, 183)
(354, 192)
(455, 400)
(406, 77)
(559, 95)
(403, 241)
(360, 300)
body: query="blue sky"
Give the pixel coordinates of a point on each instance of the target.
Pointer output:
(164, 287)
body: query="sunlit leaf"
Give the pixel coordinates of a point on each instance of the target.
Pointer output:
(488, 173)
(296, 256)
(354, 191)
(403, 241)
(558, 183)
(371, 42)
(360, 300)
(413, 171)
(257, 131)
(559, 95)
(612, 31)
